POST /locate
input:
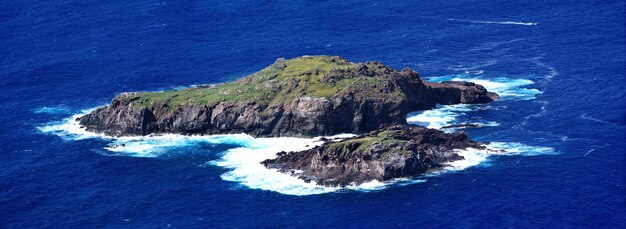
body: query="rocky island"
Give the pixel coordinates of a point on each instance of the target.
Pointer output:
(301, 97)
(393, 152)
(306, 97)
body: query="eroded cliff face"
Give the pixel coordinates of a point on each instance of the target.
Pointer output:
(393, 152)
(302, 97)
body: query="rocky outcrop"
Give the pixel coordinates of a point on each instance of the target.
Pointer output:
(302, 97)
(394, 152)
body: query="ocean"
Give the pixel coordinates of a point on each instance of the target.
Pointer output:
(558, 66)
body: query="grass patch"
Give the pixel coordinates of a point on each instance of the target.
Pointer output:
(285, 80)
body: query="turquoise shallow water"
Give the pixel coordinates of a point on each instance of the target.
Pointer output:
(559, 67)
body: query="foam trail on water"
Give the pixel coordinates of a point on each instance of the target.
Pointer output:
(473, 157)
(516, 148)
(496, 22)
(380, 185)
(51, 110)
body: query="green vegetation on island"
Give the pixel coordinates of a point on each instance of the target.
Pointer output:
(304, 96)
(311, 76)
(388, 139)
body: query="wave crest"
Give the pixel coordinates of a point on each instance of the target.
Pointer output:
(496, 22)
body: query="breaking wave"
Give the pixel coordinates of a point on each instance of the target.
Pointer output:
(507, 88)
(446, 116)
(442, 116)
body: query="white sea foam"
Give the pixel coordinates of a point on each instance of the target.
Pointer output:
(154, 146)
(246, 169)
(243, 160)
(586, 116)
(476, 72)
(52, 110)
(380, 185)
(496, 22)
(440, 116)
(446, 115)
(507, 88)
(473, 157)
(69, 129)
(245, 165)
(516, 148)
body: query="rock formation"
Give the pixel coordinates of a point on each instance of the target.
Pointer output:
(393, 152)
(302, 97)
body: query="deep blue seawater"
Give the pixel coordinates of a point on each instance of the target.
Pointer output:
(58, 58)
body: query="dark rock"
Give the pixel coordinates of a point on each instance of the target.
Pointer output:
(357, 108)
(394, 152)
(464, 125)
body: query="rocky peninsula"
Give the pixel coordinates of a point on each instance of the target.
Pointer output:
(301, 97)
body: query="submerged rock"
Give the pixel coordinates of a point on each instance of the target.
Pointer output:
(302, 97)
(394, 152)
